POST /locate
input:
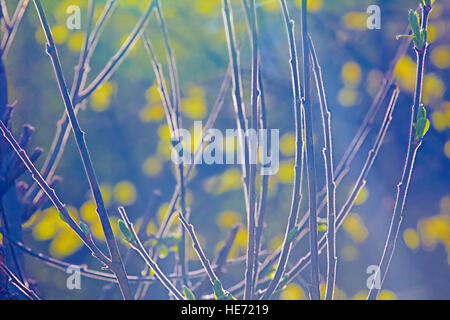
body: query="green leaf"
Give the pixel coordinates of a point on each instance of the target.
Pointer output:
(188, 293)
(414, 22)
(423, 124)
(421, 112)
(125, 231)
(85, 228)
(420, 128)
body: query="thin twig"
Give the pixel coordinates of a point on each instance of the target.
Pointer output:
(63, 125)
(116, 260)
(119, 57)
(14, 256)
(198, 249)
(302, 226)
(174, 121)
(108, 277)
(30, 294)
(245, 144)
(310, 159)
(299, 151)
(13, 25)
(212, 117)
(238, 103)
(137, 245)
(263, 190)
(221, 258)
(403, 186)
(250, 10)
(329, 175)
(198, 152)
(62, 209)
(359, 184)
(343, 167)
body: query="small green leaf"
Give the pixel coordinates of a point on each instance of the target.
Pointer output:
(414, 22)
(188, 293)
(421, 112)
(85, 228)
(125, 231)
(423, 124)
(420, 128)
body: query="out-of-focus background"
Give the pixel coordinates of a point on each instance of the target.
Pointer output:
(130, 143)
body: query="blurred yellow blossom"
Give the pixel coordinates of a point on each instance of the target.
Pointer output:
(355, 227)
(293, 292)
(411, 238)
(101, 98)
(228, 219)
(351, 74)
(194, 106)
(125, 193)
(152, 166)
(356, 20)
(287, 144)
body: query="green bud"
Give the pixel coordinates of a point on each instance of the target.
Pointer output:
(421, 112)
(423, 124)
(85, 228)
(125, 231)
